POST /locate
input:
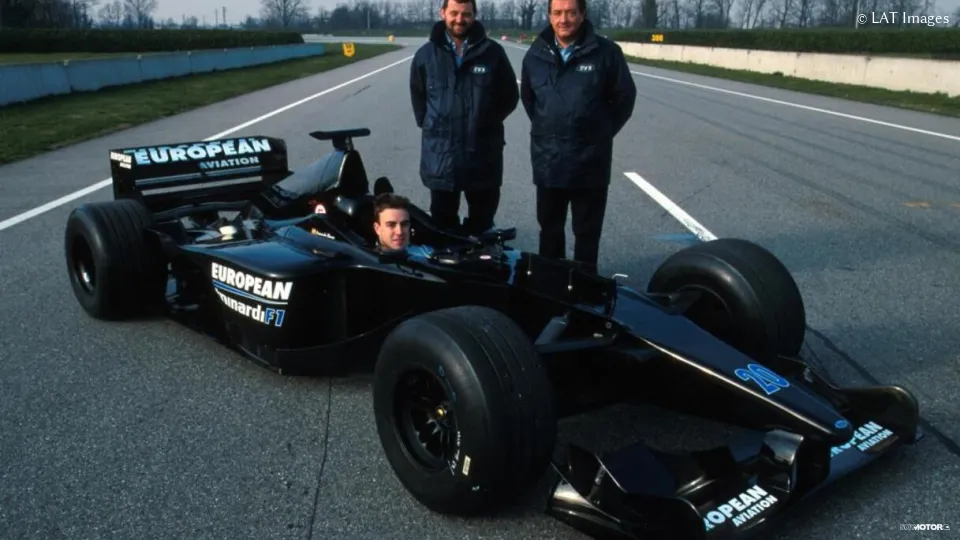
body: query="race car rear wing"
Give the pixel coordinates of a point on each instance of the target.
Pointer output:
(169, 175)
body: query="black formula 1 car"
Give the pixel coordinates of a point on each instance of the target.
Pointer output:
(477, 349)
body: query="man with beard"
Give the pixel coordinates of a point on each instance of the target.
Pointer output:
(577, 91)
(462, 88)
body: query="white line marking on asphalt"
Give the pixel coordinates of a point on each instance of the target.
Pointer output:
(787, 103)
(514, 45)
(684, 218)
(20, 218)
(805, 107)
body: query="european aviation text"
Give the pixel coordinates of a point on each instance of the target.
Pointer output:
(741, 509)
(253, 287)
(200, 151)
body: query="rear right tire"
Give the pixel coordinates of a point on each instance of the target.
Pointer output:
(464, 409)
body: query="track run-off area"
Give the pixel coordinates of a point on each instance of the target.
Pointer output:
(146, 430)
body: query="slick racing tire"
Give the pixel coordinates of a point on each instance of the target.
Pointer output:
(751, 302)
(464, 409)
(112, 270)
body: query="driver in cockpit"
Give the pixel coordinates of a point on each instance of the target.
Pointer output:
(391, 223)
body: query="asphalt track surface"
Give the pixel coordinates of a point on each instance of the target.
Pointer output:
(147, 430)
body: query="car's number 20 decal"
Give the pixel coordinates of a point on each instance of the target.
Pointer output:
(767, 380)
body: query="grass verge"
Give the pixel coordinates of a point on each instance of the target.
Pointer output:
(931, 103)
(35, 58)
(46, 124)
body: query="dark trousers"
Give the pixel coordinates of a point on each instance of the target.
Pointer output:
(482, 208)
(588, 207)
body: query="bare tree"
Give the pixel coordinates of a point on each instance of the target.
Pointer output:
(723, 8)
(111, 14)
(508, 11)
(284, 12)
(140, 11)
(750, 12)
(652, 12)
(527, 9)
(668, 13)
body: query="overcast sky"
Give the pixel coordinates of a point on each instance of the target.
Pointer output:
(237, 10)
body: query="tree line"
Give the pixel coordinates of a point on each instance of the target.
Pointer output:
(504, 15)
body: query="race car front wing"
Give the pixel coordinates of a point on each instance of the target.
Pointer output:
(730, 492)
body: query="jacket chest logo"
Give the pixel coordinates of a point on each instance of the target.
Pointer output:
(479, 70)
(585, 68)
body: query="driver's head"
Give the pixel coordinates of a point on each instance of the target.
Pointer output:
(391, 221)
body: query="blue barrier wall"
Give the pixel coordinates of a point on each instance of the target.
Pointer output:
(26, 82)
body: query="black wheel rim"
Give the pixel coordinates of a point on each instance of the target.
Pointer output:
(711, 313)
(82, 265)
(426, 421)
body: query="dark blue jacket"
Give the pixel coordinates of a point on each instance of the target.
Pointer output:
(575, 108)
(461, 110)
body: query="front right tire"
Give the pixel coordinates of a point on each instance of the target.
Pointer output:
(749, 299)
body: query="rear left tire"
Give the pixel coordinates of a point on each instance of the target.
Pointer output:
(113, 271)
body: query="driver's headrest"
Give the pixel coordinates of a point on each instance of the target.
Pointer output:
(382, 185)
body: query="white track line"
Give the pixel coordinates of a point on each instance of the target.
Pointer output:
(20, 218)
(786, 103)
(684, 218)
(804, 107)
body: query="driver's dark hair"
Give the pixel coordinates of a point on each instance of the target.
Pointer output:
(388, 201)
(473, 3)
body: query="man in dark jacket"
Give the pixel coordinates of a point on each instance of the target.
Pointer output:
(462, 88)
(577, 91)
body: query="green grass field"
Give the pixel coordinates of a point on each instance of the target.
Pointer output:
(39, 126)
(931, 103)
(33, 58)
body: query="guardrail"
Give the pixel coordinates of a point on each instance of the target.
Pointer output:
(893, 73)
(26, 82)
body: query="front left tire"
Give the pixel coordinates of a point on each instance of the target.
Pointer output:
(464, 409)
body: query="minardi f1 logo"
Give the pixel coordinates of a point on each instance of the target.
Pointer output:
(259, 290)
(479, 70)
(585, 68)
(260, 314)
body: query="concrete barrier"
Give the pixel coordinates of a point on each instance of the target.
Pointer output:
(916, 74)
(26, 82)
